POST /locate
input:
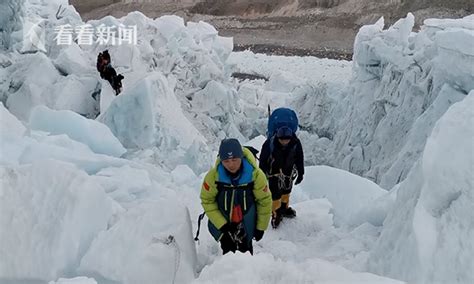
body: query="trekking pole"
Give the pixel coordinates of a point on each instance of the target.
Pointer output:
(269, 111)
(201, 216)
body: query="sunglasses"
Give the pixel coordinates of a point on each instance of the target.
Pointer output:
(284, 132)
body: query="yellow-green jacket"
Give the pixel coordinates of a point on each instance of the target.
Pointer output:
(218, 196)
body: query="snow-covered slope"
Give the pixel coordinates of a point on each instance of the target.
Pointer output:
(96, 135)
(376, 123)
(51, 212)
(429, 232)
(63, 206)
(404, 83)
(119, 220)
(184, 58)
(115, 197)
(10, 21)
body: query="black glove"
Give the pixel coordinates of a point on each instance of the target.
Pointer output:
(258, 235)
(227, 244)
(299, 179)
(228, 228)
(225, 228)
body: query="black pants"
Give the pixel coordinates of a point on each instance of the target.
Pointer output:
(278, 188)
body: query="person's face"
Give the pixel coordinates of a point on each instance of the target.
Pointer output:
(284, 142)
(232, 165)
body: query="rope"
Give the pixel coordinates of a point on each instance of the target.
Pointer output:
(239, 235)
(282, 178)
(171, 241)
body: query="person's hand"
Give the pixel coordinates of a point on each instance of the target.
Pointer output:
(225, 228)
(299, 179)
(258, 235)
(228, 228)
(227, 243)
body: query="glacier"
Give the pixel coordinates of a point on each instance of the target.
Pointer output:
(99, 188)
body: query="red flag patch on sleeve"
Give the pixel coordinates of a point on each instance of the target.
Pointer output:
(206, 186)
(265, 189)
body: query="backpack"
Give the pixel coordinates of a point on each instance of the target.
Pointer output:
(282, 117)
(253, 150)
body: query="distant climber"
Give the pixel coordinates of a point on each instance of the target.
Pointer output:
(236, 198)
(107, 72)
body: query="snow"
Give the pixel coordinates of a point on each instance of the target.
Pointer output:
(72, 60)
(160, 122)
(430, 228)
(60, 211)
(25, 146)
(79, 97)
(283, 82)
(133, 128)
(10, 126)
(183, 174)
(347, 193)
(308, 239)
(32, 72)
(41, 146)
(301, 69)
(169, 25)
(456, 52)
(11, 130)
(53, 212)
(265, 268)
(75, 280)
(105, 188)
(107, 95)
(10, 20)
(136, 218)
(151, 242)
(403, 82)
(116, 178)
(215, 100)
(90, 132)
